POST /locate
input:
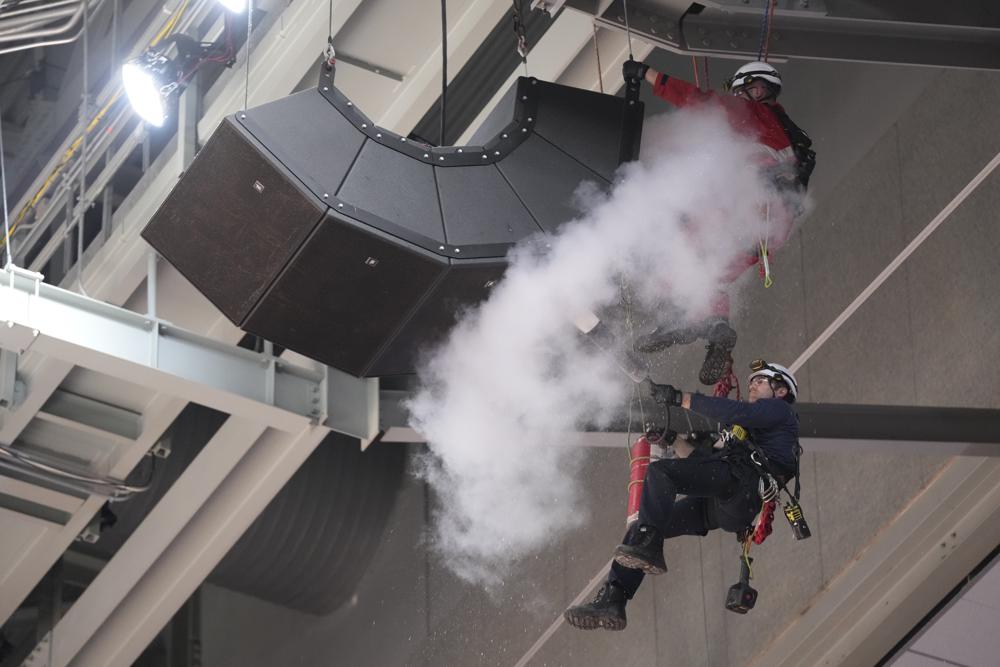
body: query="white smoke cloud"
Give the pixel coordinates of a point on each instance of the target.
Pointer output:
(514, 377)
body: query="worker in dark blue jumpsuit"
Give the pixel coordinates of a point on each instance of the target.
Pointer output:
(719, 488)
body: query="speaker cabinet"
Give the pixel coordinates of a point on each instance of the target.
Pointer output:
(308, 225)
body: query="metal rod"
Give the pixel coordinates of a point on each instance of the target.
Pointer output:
(85, 120)
(3, 181)
(628, 29)
(246, 88)
(114, 35)
(444, 69)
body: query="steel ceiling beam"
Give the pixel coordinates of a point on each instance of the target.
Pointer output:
(798, 30)
(36, 544)
(823, 427)
(148, 352)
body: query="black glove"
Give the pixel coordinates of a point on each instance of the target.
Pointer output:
(633, 69)
(666, 394)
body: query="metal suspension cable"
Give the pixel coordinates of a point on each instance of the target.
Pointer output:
(246, 85)
(444, 70)
(628, 29)
(84, 114)
(3, 184)
(522, 40)
(597, 55)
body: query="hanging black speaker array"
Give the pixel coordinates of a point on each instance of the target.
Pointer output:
(308, 225)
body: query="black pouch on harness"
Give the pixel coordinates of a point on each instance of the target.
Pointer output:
(734, 513)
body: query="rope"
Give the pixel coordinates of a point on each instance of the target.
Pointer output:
(694, 66)
(628, 431)
(765, 29)
(765, 263)
(728, 382)
(746, 556)
(770, 22)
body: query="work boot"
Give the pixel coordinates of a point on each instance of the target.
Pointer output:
(606, 610)
(643, 552)
(661, 338)
(721, 341)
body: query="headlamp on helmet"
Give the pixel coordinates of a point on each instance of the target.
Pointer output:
(777, 372)
(751, 72)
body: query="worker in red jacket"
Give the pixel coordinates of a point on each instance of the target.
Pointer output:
(787, 160)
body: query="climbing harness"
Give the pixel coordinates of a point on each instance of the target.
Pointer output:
(805, 156)
(741, 597)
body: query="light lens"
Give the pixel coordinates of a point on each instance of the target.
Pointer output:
(144, 93)
(235, 6)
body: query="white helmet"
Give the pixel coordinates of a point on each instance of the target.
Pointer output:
(776, 371)
(752, 71)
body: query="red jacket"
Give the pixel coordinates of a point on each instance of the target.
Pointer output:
(755, 119)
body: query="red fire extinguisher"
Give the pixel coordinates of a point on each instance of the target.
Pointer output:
(639, 456)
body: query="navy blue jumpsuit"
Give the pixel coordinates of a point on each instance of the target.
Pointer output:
(720, 488)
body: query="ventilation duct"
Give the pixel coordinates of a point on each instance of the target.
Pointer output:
(308, 225)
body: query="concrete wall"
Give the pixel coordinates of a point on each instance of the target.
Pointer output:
(895, 145)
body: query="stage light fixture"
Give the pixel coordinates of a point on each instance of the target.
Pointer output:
(149, 82)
